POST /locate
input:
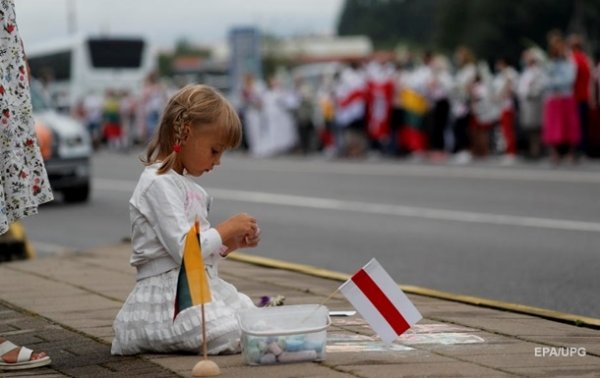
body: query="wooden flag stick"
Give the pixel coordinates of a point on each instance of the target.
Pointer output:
(204, 350)
(205, 367)
(321, 304)
(204, 342)
(329, 297)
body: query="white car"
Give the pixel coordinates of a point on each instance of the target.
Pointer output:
(66, 148)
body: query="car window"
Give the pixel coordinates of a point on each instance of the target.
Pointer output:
(38, 101)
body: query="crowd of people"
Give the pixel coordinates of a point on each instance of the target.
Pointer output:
(429, 108)
(433, 109)
(120, 119)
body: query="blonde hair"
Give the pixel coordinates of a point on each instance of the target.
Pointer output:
(198, 106)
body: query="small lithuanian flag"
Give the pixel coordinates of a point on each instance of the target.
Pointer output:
(192, 284)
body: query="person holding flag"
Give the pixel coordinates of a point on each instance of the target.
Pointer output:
(176, 259)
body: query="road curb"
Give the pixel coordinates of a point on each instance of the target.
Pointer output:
(557, 316)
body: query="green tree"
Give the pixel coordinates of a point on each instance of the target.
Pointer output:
(165, 64)
(494, 29)
(388, 22)
(183, 47)
(491, 28)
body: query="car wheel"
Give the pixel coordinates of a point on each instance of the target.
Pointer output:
(77, 194)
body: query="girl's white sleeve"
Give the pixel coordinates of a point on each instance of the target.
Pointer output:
(211, 243)
(165, 209)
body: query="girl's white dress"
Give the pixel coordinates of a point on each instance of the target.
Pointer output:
(162, 209)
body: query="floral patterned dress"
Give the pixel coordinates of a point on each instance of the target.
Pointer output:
(23, 179)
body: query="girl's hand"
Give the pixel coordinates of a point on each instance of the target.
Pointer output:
(251, 240)
(239, 231)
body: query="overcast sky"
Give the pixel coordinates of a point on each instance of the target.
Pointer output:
(165, 21)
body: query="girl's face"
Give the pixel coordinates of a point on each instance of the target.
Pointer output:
(201, 150)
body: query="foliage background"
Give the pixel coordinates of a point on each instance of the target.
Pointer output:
(491, 28)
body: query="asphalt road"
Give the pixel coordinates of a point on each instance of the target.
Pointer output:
(527, 234)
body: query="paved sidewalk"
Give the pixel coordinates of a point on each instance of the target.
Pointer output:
(65, 305)
(75, 353)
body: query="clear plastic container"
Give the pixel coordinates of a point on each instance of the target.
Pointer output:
(274, 335)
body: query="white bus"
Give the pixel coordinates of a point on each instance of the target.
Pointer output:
(77, 66)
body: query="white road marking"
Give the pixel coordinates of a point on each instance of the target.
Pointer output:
(373, 208)
(48, 249)
(370, 169)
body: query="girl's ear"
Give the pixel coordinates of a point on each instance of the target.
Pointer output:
(185, 134)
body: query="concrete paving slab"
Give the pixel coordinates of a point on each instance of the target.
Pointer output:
(523, 327)
(73, 353)
(529, 359)
(42, 373)
(429, 369)
(569, 371)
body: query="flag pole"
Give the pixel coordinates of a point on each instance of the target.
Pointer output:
(204, 342)
(320, 304)
(329, 297)
(204, 367)
(204, 350)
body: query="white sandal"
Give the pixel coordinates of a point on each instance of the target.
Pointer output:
(24, 360)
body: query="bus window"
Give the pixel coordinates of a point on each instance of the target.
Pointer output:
(56, 66)
(112, 53)
(75, 67)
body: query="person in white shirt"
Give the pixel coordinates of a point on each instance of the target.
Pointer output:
(530, 89)
(197, 127)
(439, 88)
(350, 91)
(280, 134)
(255, 126)
(485, 110)
(504, 87)
(92, 110)
(152, 101)
(464, 78)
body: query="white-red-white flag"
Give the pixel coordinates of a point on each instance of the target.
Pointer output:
(380, 301)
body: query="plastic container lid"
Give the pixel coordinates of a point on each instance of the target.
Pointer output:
(284, 320)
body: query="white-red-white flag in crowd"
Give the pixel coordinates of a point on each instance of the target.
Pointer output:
(380, 301)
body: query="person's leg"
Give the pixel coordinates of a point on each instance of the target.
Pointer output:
(571, 154)
(304, 134)
(340, 140)
(535, 148)
(583, 109)
(480, 141)
(461, 136)
(508, 131)
(441, 113)
(554, 155)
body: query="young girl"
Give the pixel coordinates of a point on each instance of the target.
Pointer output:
(198, 125)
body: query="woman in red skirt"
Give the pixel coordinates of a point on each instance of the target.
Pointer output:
(560, 119)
